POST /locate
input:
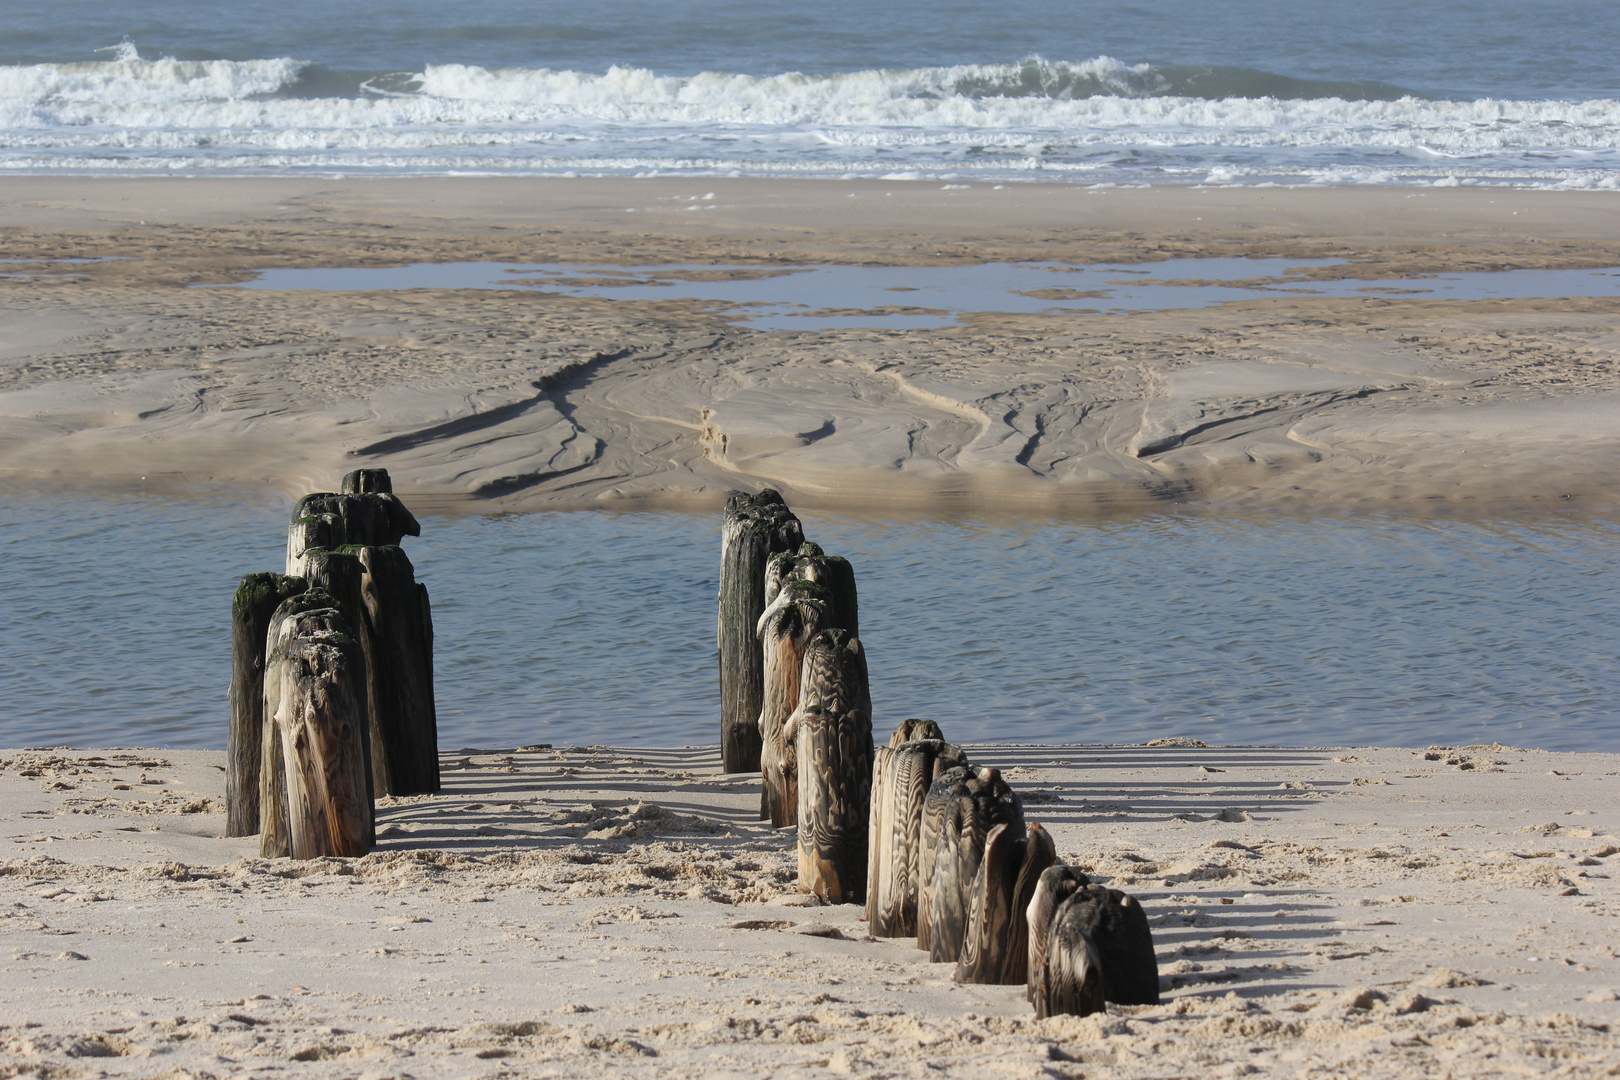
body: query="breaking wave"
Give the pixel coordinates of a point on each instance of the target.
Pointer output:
(286, 113)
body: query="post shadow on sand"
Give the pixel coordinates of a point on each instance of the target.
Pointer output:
(683, 775)
(469, 816)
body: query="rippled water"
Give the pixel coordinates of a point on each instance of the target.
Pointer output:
(595, 627)
(1174, 91)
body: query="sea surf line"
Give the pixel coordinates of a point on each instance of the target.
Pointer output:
(596, 627)
(930, 297)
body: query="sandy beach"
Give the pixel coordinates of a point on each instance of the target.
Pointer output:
(118, 374)
(597, 911)
(594, 911)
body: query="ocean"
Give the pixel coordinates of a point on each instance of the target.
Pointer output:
(1174, 92)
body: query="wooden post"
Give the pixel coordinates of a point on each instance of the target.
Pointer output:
(367, 481)
(396, 632)
(309, 529)
(902, 773)
(946, 788)
(914, 730)
(785, 630)
(986, 801)
(808, 562)
(364, 513)
(755, 526)
(996, 948)
(338, 574)
(255, 602)
(307, 612)
(1056, 884)
(321, 716)
(1118, 928)
(832, 733)
(1071, 977)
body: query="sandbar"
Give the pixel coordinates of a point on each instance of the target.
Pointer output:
(119, 373)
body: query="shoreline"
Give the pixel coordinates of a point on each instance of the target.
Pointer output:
(114, 374)
(1372, 912)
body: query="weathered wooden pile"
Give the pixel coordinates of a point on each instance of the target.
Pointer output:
(793, 689)
(331, 678)
(936, 847)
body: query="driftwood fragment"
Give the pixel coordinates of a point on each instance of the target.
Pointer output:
(755, 527)
(1056, 884)
(985, 802)
(996, 947)
(396, 633)
(785, 629)
(832, 732)
(321, 717)
(256, 600)
(902, 773)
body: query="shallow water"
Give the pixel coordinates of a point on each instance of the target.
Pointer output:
(804, 297)
(594, 627)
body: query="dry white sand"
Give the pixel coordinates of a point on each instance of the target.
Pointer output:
(600, 911)
(117, 374)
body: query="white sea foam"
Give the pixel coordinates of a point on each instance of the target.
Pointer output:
(1031, 115)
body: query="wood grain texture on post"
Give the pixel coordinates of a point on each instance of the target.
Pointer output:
(754, 528)
(256, 600)
(985, 802)
(996, 947)
(320, 717)
(1071, 980)
(798, 614)
(832, 730)
(1055, 885)
(396, 633)
(948, 786)
(308, 611)
(902, 773)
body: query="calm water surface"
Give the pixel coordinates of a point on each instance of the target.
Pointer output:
(598, 627)
(795, 298)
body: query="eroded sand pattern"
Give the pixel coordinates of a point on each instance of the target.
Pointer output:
(117, 373)
(556, 912)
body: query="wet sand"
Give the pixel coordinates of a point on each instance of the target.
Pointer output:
(621, 912)
(114, 374)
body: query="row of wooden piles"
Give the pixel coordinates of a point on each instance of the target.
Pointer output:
(331, 678)
(935, 847)
(953, 862)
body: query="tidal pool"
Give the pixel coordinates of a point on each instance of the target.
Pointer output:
(594, 627)
(927, 297)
